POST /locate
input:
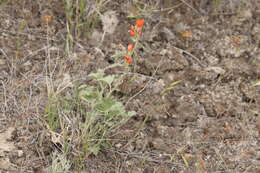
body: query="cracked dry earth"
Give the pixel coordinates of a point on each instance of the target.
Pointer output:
(208, 121)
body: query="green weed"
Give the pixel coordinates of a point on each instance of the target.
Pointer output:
(104, 112)
(85, 118)
(59, 163)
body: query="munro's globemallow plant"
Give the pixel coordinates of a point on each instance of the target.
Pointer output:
(135, 33)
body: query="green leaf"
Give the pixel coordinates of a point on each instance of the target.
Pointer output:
(131, 113)
(116, 110)
(118, 106)
(94, 149)
(108, 79)
(83, 86)
(98, 75)
(105, 105)
(89, 94)
(110, 123)
(131, 16)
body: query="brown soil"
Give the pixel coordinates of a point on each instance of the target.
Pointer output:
(208, 122)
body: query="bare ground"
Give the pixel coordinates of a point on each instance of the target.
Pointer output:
(209, 121)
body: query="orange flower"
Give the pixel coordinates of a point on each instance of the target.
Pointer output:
(130, 47)
(129, 60)
(139, 23)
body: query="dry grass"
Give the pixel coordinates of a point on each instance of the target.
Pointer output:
(66, 118)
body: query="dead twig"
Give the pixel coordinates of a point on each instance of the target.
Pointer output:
(130, 73)
(3, 31)
(158, 158)
(192, 56)
(190, 6)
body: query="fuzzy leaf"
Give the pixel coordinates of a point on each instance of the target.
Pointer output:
(116, 109)
(131, 113)
(105, 104)
(94, 149)
(97, 75)
(89, 94)
(108, 79)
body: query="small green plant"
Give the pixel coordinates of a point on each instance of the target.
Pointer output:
(83, 120)
(104, 112)
(59, 163)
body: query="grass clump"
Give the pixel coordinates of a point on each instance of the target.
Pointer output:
(82, 17)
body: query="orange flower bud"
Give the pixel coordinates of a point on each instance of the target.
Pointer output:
(130, 47)
(132, 31)
(139, 23)
(129, 60)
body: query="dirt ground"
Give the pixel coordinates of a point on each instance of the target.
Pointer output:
(207, 122)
